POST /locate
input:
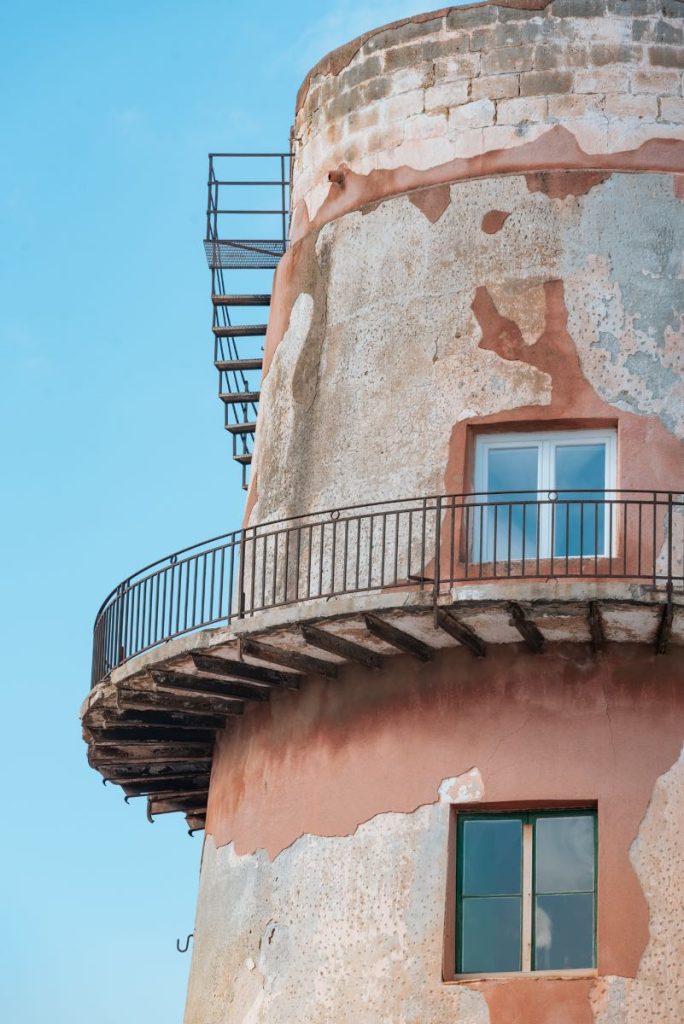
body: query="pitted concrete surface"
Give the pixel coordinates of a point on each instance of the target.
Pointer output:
(343, 929)
(386, 357)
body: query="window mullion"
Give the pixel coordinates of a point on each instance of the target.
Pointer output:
(526, 949)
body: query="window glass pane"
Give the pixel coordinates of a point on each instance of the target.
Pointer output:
(579, 525)
(512, 471)
(564, 932)
(564, 854)
(492, 857)
(490, 935)
(580, 467)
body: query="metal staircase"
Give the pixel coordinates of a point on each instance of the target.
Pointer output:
(238, 351)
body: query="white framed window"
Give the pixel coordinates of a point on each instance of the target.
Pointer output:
(544, 495)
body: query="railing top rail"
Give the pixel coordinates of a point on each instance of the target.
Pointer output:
(252, 155)
(484, 495)
(230, 538)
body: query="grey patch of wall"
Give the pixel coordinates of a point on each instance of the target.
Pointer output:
(625, 294)
(347, 929)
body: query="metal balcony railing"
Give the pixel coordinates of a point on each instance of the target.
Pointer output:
(427, 544)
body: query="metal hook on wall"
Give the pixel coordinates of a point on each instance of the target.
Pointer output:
(185, 948)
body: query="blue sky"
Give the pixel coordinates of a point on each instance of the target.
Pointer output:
(113, 450)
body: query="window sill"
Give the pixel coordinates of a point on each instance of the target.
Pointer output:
(570, 975)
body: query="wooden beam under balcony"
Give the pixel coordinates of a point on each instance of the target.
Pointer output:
(288, 659)
(466, 636)
(173, 719)
(143, 699)
(146, 784)
(221, 666)
(151, 733)
(342, 647)
(664, 626)
(171, 806)
(528, 629)
(207, 685)
(398, 638)
(596, 627)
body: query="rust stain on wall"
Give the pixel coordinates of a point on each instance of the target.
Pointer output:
(538, 1001)
(494, 221)
(432, 201)
(555, 150)
(560, 184)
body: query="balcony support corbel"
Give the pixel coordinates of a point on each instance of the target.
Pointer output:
(665, 623)
(596, 629)
(528, 629)
(342, 647)
(398, 638)
(466, 636)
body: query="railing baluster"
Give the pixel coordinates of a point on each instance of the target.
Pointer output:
(321, 553)
(639, 540)
(252, 584)
(452, 539)
(437, 573)
(466, 509)
(370, 553)
(309, 561)
(383, 551)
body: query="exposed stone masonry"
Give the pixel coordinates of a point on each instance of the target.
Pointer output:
(484, 78)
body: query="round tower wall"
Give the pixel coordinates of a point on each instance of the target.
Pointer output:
(522, 272)
(576, 83)
(327, 884)
(500, 249)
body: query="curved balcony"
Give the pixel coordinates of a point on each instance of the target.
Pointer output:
(429, 544)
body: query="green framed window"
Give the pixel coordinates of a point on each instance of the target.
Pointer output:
(526, 891)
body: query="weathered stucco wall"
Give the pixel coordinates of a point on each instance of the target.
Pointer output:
(523, 298)
(323, 888)
(462, 84)
(500, 244)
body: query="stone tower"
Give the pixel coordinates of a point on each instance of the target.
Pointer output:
(437, 675)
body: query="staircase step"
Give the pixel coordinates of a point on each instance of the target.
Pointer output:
(241, 428)
(239, 397)
(241, 300)
(240, 331)
(238, 364)
(245, 459)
